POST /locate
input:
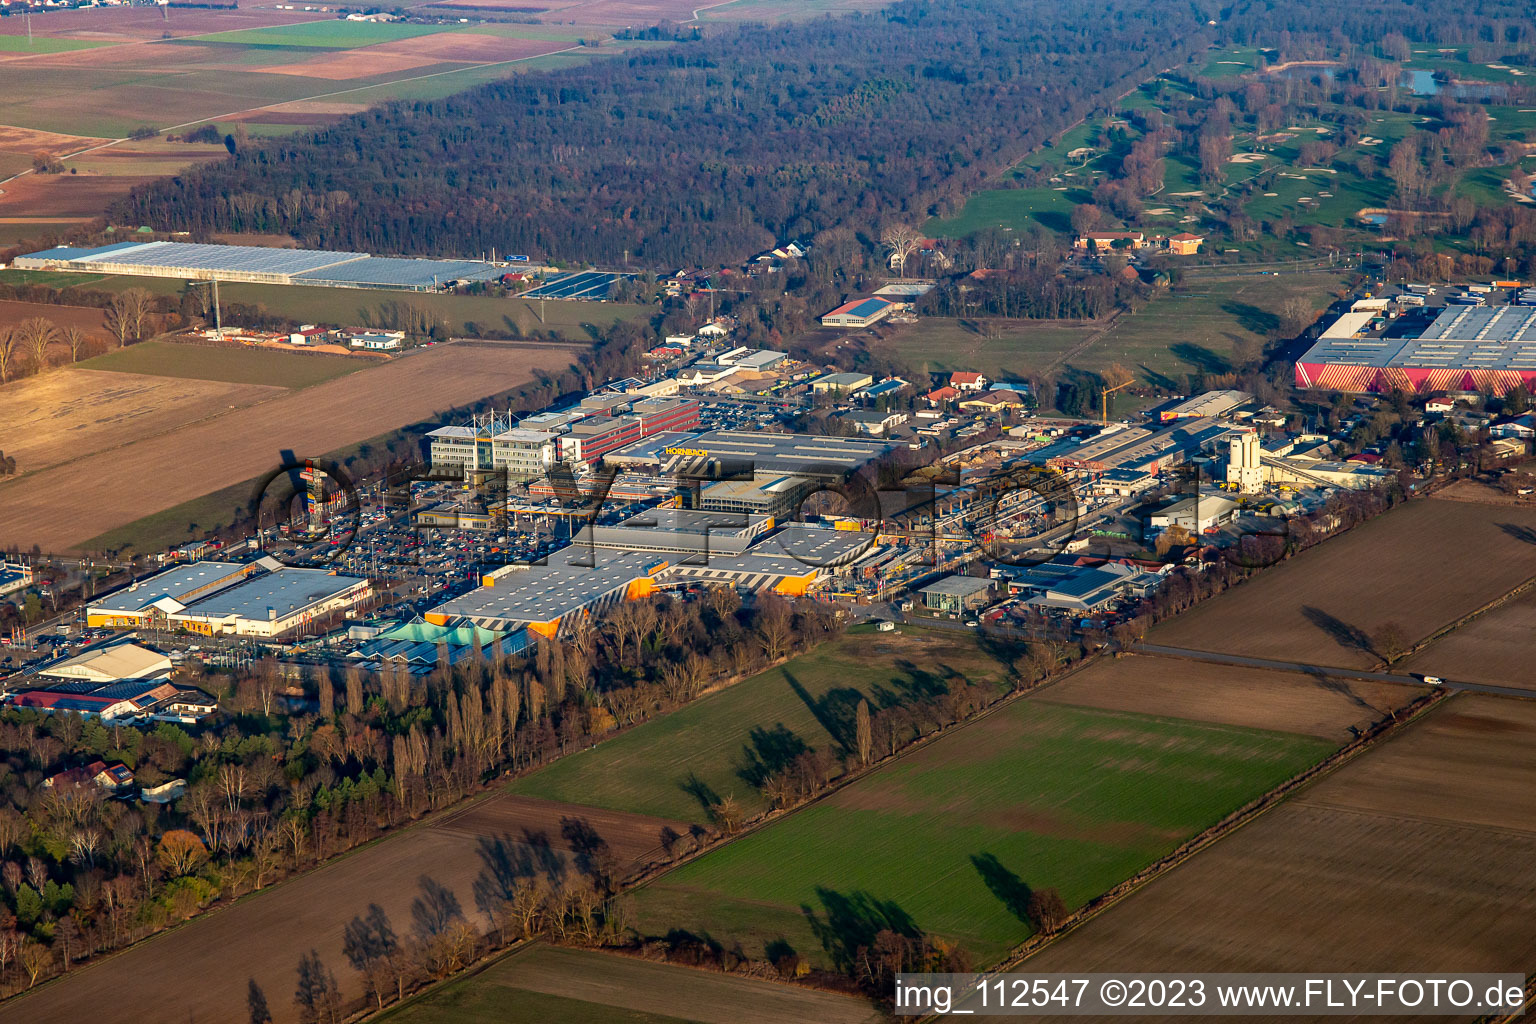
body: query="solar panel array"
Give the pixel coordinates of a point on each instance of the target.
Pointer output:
(194, 256)
(323, 267)
(395, 272)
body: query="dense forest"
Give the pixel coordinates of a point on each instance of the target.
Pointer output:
(703, 152)
(713, 149)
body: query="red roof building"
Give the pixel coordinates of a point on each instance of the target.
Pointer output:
(944, 394)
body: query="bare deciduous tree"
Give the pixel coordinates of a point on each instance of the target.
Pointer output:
(901, 241)
(127, 315)
(7, 352)
(75, 340)
(38, 334)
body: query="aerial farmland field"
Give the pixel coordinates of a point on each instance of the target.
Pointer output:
(1414, 855)
(1421, 566)
(455, 854)
(1493, 648)
(670, 766)
(236, 365)
(1331, 709)
(574, 986)
(952, 838)
(476, 315)
(113, 488)
(69, 413)
(1019, 347)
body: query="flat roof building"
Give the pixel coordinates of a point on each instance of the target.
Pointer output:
(272, 604)
(957, 594)
(1466, 348)
(1196, 514)
(859, 312)
(149, 601)
(1211, 403)
(846, 383)
(768, 455)
(261, 265)
(767, 496)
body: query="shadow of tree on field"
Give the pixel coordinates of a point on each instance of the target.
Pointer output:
(435, 909)
(769, 752)
(1200, 357)
(1349, 637)
(700, 790)
(1333, 684)
(1011, 890)
(505, 863)
(833, 710)
(544, 856)
(848, 922)
(1252, 318)
(594, 857)
(1523, 534)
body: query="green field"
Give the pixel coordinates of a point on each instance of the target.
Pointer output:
(234, 365)
(660, 767)
(1011, 209)
(1203, 325)
(1021, 347)
(43, 44)
(10, 234)
(1226, 63)
(950, 840)
(326, 35)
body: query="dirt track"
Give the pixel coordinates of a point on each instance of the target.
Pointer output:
(200, 972)
(59, 508)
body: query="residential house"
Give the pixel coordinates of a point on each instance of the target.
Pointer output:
(967, 380)
(108, 777)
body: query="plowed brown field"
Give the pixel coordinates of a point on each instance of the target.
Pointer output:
(1421, 566)
(65, 506)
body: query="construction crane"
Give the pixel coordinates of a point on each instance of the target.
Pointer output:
(1104, 396)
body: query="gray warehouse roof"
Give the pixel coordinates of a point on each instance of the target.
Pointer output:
(176, 584)
(956, 586)
(1461, 337)
(798, 454)
(544, 593)
(285, 591)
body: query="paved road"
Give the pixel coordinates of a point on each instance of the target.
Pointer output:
(1325, 670)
